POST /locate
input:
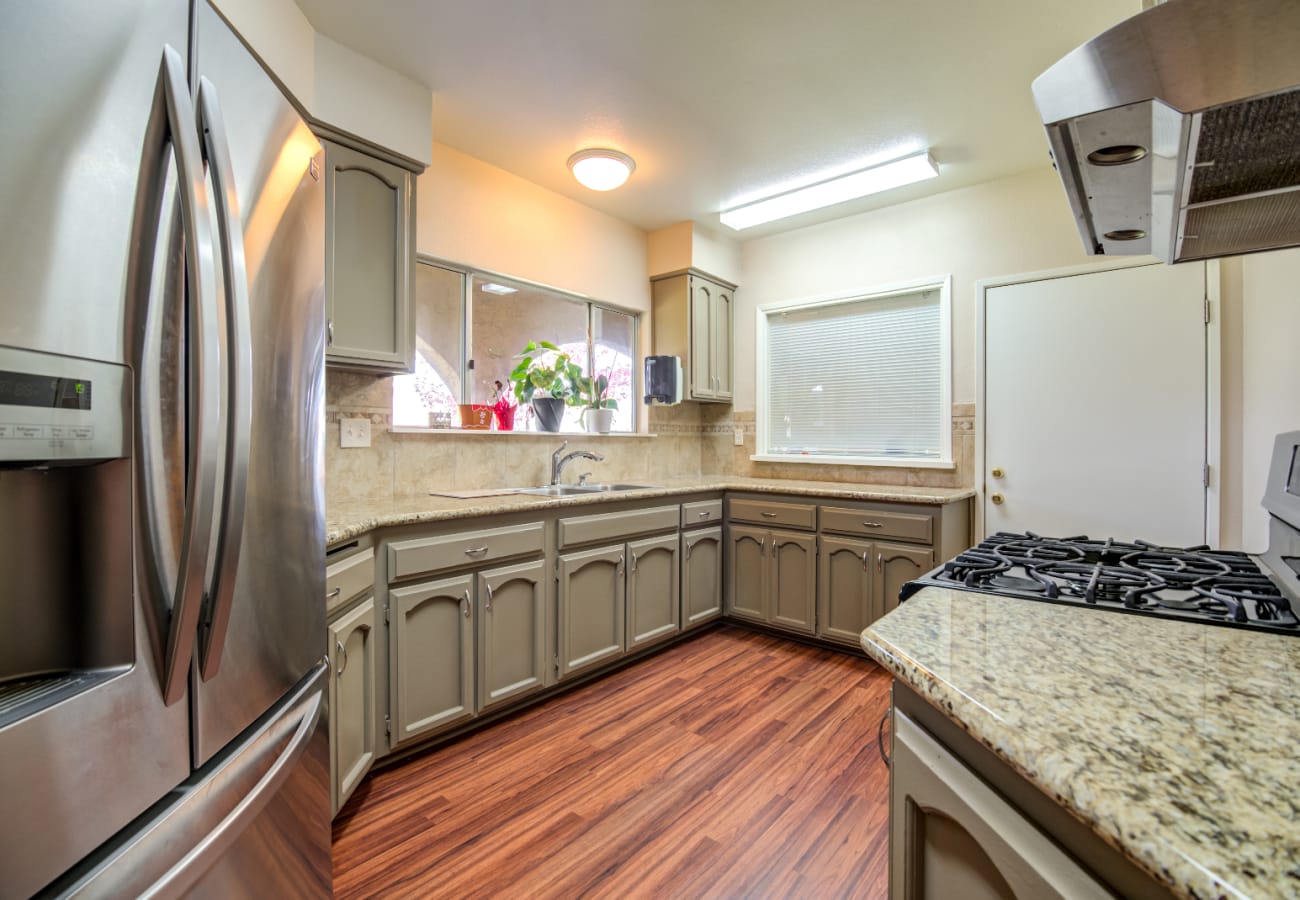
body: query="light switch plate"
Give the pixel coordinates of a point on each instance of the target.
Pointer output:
(354, 432)
(738, 435)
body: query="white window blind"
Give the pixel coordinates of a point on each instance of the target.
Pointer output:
(863, 378)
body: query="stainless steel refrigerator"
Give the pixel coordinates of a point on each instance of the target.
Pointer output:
(162, 632)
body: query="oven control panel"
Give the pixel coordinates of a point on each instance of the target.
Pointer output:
(59, 409)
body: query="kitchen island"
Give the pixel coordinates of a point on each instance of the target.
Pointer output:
(1172, 744)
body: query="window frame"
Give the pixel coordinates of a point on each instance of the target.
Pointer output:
(762, 350)
(467, 328)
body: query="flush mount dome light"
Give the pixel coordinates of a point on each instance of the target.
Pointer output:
(601, 170)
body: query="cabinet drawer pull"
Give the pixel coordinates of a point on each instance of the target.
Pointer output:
(632, 570)
(688, 549)
(488, 605)
(872, 525)
(769, 515)
(344, 651)
(334, 593)
(866, 562)
(705, 514)
(476, 551)
(469, 604)
(880, 562)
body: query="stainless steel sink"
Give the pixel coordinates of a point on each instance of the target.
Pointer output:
(570, 490)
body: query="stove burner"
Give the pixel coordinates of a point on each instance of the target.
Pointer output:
(1016, 583)
(1176, 567)
(1098, 581)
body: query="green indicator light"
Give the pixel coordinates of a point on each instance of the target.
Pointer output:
(81, 388)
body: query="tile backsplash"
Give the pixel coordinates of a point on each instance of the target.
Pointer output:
(691, 439)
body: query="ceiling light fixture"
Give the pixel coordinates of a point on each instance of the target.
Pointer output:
(884, 177)
(601, 170)
(492, 287)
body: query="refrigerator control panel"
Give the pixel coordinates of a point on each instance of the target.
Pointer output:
(57, 409)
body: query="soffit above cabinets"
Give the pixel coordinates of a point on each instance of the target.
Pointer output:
(720, 102)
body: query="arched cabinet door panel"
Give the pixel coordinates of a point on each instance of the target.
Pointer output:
(590, 607)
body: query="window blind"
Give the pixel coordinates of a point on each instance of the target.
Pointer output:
(859, 378)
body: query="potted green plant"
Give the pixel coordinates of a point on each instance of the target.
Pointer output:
(544, 377)
(592, 394)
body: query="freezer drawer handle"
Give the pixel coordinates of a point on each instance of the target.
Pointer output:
(236, 348)
(175, 591)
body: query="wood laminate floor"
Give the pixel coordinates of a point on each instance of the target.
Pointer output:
(734, 764)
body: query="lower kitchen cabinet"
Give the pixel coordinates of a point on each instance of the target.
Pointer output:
(772, 577)
(951, 835)
(590, 607)
(859, 582)
(701, 576)
(431, 652)
(653, 591)
(352, 711)
(511, 632)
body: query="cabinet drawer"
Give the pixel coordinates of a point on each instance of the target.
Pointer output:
(612, 526)
(875, 523)
(413, 557)
(702, 512)
(770, 512)
(347, 577)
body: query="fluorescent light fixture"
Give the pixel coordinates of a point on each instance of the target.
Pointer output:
(492, 287)
(907, 170)
(601, 170)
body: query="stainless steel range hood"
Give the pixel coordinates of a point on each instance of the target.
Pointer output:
(1177, 132)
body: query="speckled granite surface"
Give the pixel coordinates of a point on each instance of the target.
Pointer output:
(1177, 743)
(344, 521)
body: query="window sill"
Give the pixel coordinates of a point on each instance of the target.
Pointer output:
(879, 461)
(485, 432)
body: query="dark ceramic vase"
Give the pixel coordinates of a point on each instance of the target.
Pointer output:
(550, 412)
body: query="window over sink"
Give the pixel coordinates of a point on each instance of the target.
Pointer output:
(470, 327)
(862, 379)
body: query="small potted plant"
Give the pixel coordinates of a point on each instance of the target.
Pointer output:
(544, 377)
(592, 395)
(503, 406)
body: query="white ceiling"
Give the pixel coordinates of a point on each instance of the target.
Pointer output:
(724, 100)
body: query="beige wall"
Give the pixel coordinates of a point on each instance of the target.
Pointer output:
(1261, 383)
(1012, 225)
(474, 213)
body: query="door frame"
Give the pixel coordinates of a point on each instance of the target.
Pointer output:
(1213, 376)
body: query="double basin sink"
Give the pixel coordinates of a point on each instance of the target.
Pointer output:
(569, 490)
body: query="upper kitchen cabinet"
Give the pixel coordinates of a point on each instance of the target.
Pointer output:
(369, 261)
(693, 319)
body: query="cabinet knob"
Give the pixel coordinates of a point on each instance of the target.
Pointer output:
(997, 499)
(997, 472)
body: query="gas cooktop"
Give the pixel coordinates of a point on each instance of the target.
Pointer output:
(1181, 583)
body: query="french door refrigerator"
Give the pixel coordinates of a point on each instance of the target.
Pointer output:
(162, 631)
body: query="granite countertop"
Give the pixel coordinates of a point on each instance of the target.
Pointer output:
(1177, 743)
(344, 521)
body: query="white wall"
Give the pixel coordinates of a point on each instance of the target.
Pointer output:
(474, 213)
(1261, 383)
(336, 85)
(1012, 225)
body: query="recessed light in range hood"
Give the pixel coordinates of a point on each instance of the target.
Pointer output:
(1182, 125)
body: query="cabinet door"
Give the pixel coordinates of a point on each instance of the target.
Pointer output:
(352, 700)
(792, 586)
(895, 565)
(846, 603)
(950, 835)
(511, 632)
(701, 576)
(723, 309)
(701, 312)
(653, 592)
(747, 573)
(431, 650)
(591, 608)
(369, 224)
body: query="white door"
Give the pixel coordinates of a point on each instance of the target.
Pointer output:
(1095, 405)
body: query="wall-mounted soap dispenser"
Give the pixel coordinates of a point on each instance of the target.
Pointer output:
(663, 380)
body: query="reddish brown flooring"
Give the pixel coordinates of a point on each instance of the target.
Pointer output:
(732, 765)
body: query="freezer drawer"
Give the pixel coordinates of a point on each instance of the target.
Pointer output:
(252, 823)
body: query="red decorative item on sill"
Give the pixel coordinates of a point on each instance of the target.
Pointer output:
(504, 408)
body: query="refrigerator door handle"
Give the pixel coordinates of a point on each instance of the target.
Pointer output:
(175, 595)
(236, 350)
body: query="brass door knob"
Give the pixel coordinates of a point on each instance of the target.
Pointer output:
(997, 499)
(997, 472)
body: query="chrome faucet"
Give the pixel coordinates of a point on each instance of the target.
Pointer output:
(558, 462)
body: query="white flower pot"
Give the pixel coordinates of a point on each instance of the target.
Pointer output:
(598, 420)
